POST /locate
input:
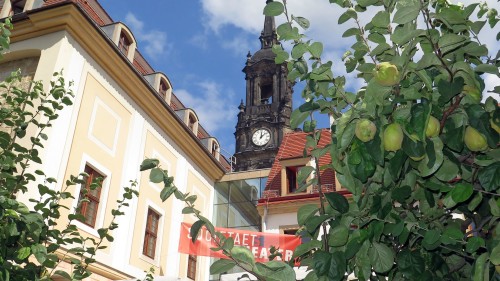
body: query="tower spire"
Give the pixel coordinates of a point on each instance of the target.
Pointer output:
(268, 36)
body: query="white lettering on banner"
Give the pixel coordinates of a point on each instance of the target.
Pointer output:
(253, 239)
(263, 253)
(247, 240)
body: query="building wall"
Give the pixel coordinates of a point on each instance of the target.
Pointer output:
(106, 129)
(274, 223)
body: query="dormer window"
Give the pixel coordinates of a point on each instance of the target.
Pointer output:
(188, 116)
(290, 169)
(161, 84)
(192, 122)
(124, 44)
(291, 178)
(215, 149)
(122, 37)
(163, 89)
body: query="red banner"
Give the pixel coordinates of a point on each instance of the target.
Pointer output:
(259, 243)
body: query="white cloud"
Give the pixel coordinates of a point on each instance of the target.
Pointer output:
(239, 45)
(491, 81)
(215, 106)
(323, 17)
(155, 41)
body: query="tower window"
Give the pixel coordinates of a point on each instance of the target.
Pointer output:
(91, 192)
(191, 270)
(151, 234)
(266, 94)
(291, 178)
(123, 43)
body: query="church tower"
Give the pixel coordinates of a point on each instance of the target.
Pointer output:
(265, 116)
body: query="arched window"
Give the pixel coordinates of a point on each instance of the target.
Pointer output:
(215, 149)
(163, 89)
(192, 122)
(124, 43)
(266, 93)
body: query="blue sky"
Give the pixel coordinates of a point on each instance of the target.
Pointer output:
(201, 45)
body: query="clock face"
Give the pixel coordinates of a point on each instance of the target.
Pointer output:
(261, 137)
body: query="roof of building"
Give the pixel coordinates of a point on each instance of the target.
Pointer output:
(101, 18)
(292, 147)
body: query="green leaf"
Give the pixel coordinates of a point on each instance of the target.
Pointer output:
(401, 194)
(487, 68)
(299, 50)
(316, 49)
(428, 60)
(406, 14)
(479, 267)
(495, 255)
(166, 192)
(488, 177)
(461, 192)
(275, 271)
(452, 235)
(381, 257)
(381, 19)
(349, 14)
(448, 171)
(494, 206)
(221, 266)
(156, 175)
(475, 201)
(274, 9)
(354, 244)
(404, 33)
(63, 273)
(243, 255)
(338, 202)
(431, 239)
(450, 41)
(448, 90)
(351, 32)
(305, 212)
(298, 117)
(322, 261)
(306, 248)
(434, 157)
(149, 164)
(338, 236)
(411, 264)
(23, 253)
(377, 38)
(40, 252)
(195, 229)
(303, 22)
(303, 174)
(474, 243)
(338, 266)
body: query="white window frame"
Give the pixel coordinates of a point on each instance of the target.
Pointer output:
(103, 200)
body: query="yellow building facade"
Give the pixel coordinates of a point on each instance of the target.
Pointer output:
(120, 116)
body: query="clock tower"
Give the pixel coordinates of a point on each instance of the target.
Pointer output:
(265, 116)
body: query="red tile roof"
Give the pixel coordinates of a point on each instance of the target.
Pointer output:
(292, 147)
(97, 14)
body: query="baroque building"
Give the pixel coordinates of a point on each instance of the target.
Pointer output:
(264, 118)
(123, 112)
